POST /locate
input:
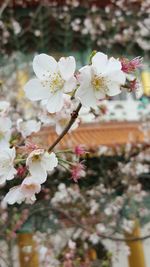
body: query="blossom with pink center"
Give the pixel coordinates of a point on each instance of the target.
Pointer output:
(7, 170)
(79, 150)
(131, 65)
(77, 172)
(26, 191)
(39, 162)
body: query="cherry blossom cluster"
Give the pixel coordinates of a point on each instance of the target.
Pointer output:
(84, 216)
(104, 77)
(64, 93)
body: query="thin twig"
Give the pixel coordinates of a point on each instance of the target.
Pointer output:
(132, 239)
(74, 115)
(85, 228)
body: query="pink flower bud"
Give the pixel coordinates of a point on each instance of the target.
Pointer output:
(79, 150)
(131, 65)
(21, 171)
(77, 172)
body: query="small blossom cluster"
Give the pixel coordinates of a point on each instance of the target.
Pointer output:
(102, 78)
(64, 94)
(84, 215)
(35, 166)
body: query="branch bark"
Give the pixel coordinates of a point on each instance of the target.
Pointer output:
(77, 223)
(74, 115)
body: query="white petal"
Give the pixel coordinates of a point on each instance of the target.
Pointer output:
(70, 85)
(99, 94)
(34, 189)
(5, 124)
(67, 66)
(99, 62)
(37, 170)
(14, 195)
(34, 90)
(86, 96)
(44, 66)
(12, 172)
(118, 77)
(113, 89)
(59, 128)
(12, 153)
(85, 75)
(2, 179)
(4, 107)
(26, 128)
(55, 102)
(5, 143)
(113, 66)
(49, 161)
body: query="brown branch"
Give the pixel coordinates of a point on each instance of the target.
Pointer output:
(74, 115)
(85, 228)
(132, 239)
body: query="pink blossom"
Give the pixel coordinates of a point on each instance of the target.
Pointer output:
(21, 171)
(77, 172)
(79, 150)
(29, 187)
(131, 65)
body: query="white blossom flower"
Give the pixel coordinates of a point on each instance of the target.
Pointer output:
(94, 238)
(25, 191)
(28, 127)
(61, 118)
(53, 79)
(86, 116)
(40, 162)
(16, 26)
(103, 77)
(128, 225)
(100, 227)
(5, 131)
(7, 170)
(4, 107)
(71, 244)
(93, 206)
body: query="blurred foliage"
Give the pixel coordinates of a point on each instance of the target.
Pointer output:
(116, 27)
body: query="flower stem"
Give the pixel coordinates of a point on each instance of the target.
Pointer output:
(74, 115)
(19, 160)
(64, 151)
(65, 161)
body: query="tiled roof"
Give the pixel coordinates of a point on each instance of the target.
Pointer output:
(93, 135)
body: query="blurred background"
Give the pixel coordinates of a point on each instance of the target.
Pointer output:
(120, 173)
